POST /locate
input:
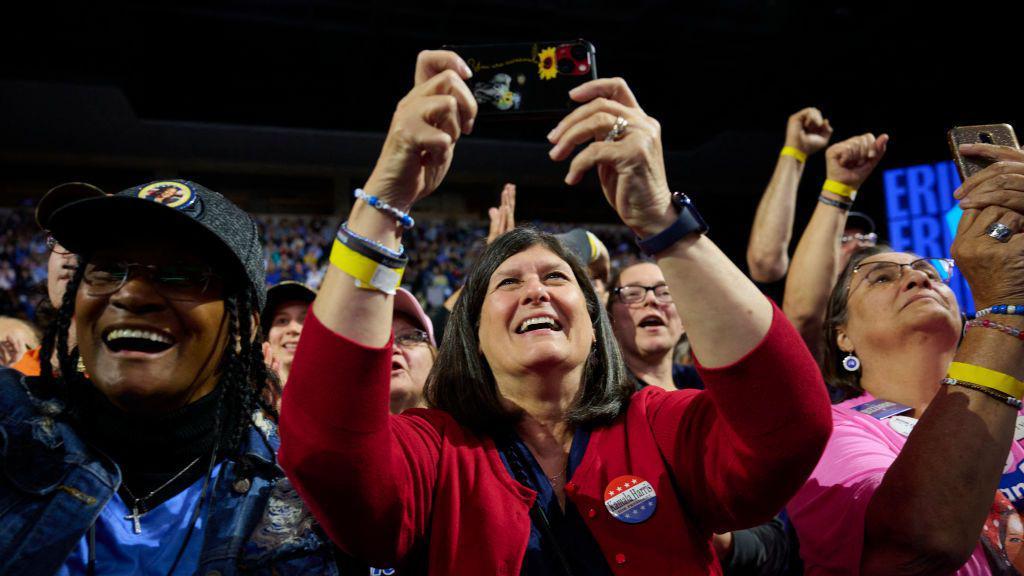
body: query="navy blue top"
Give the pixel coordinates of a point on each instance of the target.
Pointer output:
(567, 527)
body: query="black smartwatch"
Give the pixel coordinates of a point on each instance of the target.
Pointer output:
(689, 221)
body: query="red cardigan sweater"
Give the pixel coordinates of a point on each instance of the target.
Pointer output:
(385, 487)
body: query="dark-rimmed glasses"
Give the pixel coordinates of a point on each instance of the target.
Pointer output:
(875, 273)
(173, 281)
(635, 293)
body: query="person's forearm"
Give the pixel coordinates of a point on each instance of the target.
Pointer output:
(358, 314)
(813, 273)
(929, 509)
(768, 250)
(724, 313)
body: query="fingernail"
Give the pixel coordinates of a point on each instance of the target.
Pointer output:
(469, 125)
(465, 69)
(551, 135)
(958, 192)
(551, 153)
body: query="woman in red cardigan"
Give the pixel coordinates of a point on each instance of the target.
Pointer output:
(536, 456)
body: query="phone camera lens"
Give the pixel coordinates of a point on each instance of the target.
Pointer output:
(986, 138)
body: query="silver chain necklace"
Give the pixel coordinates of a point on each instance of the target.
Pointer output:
(135, 516)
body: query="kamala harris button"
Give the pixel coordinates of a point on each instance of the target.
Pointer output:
(630, 499)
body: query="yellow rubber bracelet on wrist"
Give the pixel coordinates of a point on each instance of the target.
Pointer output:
(988, 378)
(792, 152)
(840, 189)
(369, 275)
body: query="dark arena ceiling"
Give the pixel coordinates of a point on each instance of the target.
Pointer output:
(312, 83)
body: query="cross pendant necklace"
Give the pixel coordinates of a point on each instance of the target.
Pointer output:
(136, 515)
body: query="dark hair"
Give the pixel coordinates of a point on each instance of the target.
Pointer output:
(846, 383)
(247, 384)
(461, 382)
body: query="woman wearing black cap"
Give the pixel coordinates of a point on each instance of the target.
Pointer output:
(160, 458)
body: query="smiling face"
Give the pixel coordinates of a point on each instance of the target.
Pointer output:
(649, 329)
(534, 317)
(285, 328)
(885, 308)
(146, 352)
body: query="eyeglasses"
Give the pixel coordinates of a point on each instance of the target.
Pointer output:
(412, 338)
(173, 281)
(865, 240)
(54, 246)
(876, 273)
(634, 293)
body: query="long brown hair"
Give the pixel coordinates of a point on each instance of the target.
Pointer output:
(461, 382)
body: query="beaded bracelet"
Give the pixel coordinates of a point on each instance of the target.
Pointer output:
(403, 218)
(1008, 309)
(845, 206)
(373, 244)
(995, 394)
(986, 323)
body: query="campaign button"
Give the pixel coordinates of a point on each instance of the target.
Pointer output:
(630, 499)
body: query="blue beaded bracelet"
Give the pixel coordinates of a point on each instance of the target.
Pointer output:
(371, 243)
(403, 218)
(1009, 309)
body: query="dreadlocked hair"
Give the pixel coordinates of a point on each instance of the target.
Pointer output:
(248, 386)
(56, 337)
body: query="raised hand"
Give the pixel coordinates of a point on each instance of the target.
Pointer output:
(852, 160)
(503, 218)
(1000, 184)
(631, 168)
(426, 124)
(808, 131)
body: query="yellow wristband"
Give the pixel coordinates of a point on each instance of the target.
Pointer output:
(988, 378)
(840, 189)
(800, 155)
(369, 275)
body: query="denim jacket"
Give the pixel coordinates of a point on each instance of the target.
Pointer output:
(54, 485)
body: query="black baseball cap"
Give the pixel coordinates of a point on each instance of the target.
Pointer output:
(287, 291)
(160, 207)
(60, 195)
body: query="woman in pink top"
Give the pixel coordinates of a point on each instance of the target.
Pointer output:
(918, 477)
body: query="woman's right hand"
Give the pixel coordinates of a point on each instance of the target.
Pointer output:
(426, 124)
(994, 269)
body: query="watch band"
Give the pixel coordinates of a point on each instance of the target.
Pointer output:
(689, 221)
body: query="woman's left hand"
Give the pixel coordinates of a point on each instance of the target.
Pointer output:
(631, 168)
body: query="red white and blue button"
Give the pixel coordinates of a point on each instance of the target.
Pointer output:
(630, 499)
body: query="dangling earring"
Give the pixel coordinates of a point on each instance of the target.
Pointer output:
(851, 363)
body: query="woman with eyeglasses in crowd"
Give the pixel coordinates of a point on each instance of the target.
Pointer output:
(647, 327)
(538, 456)
(923, 472)
(158, 455)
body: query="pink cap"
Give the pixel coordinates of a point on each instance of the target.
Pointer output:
(407, 304)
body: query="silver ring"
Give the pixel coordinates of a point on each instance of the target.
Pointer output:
(1000, 232)
(617, 130)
